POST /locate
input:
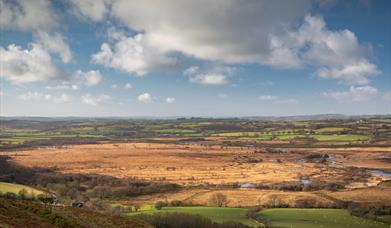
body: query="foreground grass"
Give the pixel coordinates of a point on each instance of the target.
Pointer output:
(31, 214)
(15, 188)
(310, 218)
(216, 214)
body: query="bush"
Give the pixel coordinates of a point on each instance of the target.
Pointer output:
(176, 203)
(159, 205)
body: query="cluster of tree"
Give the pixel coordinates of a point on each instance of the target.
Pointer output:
(366, 211)
(298, 187)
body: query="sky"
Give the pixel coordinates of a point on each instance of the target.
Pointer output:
(221, 58)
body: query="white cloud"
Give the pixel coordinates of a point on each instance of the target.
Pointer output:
(55, 43)
(281, 55)
(191, 70)
(132, 54)
(239, 33)
(89, 78)
(23, 65)
(209, 79)
(114, 86)
(252, 32)
(78, 80)
(255, 31)
(170, 100)
(354, 94)
(63, 86)
(94, 100)
(267, 98)
(27, 15)
(277, 99)
(214, 76)
(37, 96)
(128, 86)
(336, 54)
(94, 10)
(145, 98)
(355, 74)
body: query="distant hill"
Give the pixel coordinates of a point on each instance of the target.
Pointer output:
(271, 118)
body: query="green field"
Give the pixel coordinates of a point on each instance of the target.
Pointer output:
(279, 217)
(217, 214)
(311, 218)
(329, 129)
(290, 136)
(15, 188)
(349, 137)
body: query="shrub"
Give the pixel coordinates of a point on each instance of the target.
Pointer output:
(159, 205)
(176, 203)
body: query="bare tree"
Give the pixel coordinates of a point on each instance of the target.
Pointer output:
(218, 199)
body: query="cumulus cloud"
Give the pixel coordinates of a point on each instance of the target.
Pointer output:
(78, 80)
(336, 54)
(239, 33)
(62, 86)
(89, 78)
(28, 65)
(54, 43)
(277, 99)
(170, 100)
(27, 15)
(145, 98)
(253, 31)
(354, 94)
(214, 76)
(94, 100)
(94, 10)
(37, 96)
(128, 86)
(132, 54)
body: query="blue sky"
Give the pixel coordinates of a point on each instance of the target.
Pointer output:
(194, 58)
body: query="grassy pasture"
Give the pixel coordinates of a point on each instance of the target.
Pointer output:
(310, 218)
(174, 130)
(15, 188)
(281, 135)
(349, 137)
(217, 214)
(329, 129)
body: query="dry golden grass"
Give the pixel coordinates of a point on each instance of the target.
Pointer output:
(236, 197)
(197, 164)
(187, 165)
(372, 195)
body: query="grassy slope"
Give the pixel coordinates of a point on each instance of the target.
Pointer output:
(217, 214)
(19, 213)
(310, 218)
(15, 188)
